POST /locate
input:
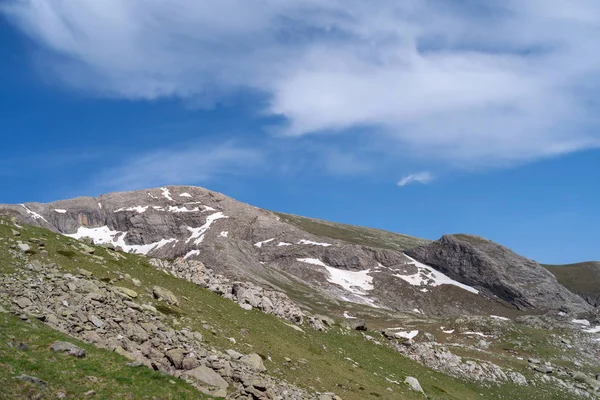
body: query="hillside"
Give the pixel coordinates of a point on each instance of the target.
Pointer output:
(350, 363)
(236, 301)
(581, 278)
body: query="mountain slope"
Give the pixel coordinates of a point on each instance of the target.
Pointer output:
(499, 272)
(581, 278)
(335, 264)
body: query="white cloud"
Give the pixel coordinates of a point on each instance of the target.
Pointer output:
(420, 177)
(486, 83)
(197, 163)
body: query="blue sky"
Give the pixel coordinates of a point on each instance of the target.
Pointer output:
(426, 117)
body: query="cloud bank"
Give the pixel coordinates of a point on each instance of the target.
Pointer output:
(465, 83)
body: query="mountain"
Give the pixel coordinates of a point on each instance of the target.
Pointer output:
(307, 258)
(581, 278)
(180, 292)
(499, 272)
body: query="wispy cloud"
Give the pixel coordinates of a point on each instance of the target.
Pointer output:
(419, 177)
(197, 163)
(491, 83)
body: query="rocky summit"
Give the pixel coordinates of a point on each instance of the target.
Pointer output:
(188, 293)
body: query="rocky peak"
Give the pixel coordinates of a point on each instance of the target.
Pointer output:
(498, 271)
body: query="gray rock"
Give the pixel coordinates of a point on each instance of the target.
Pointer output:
(24, 302)
(68, 348)
(543, 368)
(96, 321)
(254, 361)
(24, 247)
(176, 357)
(207, 376)
(125, 292)
(414, 384)
(234, 354)
(32, 379)
(165, 294)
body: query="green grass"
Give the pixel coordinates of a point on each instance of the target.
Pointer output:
(101, 371)
(339, 361)
(581, 278)
(354, 234)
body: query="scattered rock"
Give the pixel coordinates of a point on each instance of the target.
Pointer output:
(24, 302)
(96, 321)
(32, 379)
(68, 348)
(254, 361)
(125, 292)
(24, 247)
(176, 356)
(207, 376)
(414, 384)
(165, 295)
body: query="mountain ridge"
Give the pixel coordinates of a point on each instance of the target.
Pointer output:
(339, 262)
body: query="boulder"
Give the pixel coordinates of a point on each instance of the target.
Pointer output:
(68, 348)
(413, 384)
(125, 292)
(176, 356)
(254, 361)
(165, 295)
(207, 376)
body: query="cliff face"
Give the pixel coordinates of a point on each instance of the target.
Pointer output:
(499, 272)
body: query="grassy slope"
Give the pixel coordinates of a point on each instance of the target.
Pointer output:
(354, 234)
(327, 357)
(101, 371)
(581, 278)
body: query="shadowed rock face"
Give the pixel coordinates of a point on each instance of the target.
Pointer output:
(499, 272)
(247, 243)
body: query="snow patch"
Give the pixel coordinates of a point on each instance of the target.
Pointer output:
(477, 334)
(166, 193)
(58, 210)
(198, 233)
(584, 322)
(596, 329)
(448, 331)
(356, 282)
(283, 244)
(348, 316)
(138, 209)
(179, 209)
(260, 244)
(499, 317)
(312, 261)
(33, 214)
(224, 234)
(104, 235)
(100, 206)
(185, 195)
(407, 335)
(429, 276)
(304, 241)
(191, 253)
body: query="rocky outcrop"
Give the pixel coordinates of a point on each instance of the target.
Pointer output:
(499, 272)
(244, 293)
